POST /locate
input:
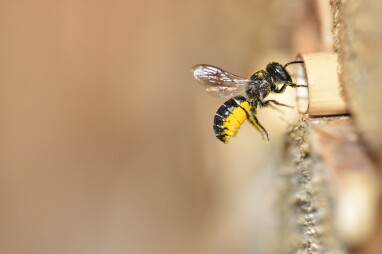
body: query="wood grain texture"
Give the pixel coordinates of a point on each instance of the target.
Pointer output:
(329, 189)
(358, 41)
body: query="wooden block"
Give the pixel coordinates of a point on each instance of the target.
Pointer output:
(330, 190)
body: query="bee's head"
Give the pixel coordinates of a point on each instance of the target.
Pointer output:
(278, 73)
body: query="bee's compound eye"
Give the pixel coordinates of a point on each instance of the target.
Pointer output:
(278, 72)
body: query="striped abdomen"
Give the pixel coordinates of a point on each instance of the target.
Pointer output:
(230, 116)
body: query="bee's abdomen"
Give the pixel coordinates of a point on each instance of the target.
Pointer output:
(229, 117)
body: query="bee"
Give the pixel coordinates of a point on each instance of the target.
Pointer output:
(246, 95)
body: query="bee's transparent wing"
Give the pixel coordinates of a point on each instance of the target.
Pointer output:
(219, 82)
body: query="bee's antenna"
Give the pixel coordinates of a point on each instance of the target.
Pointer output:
(294, 62)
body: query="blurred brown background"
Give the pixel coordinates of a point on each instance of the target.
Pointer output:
(106, 140)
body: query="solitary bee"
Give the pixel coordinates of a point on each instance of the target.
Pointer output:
(231, 115)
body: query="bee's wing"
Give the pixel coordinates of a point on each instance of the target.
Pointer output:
(218, 81)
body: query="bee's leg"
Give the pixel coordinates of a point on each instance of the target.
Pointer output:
(267, 103)
(255, 122)
(284, 86)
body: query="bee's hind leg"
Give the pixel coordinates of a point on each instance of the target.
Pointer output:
(255, 122)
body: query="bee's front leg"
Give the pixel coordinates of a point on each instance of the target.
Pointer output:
(284, 86)
(267, 103)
